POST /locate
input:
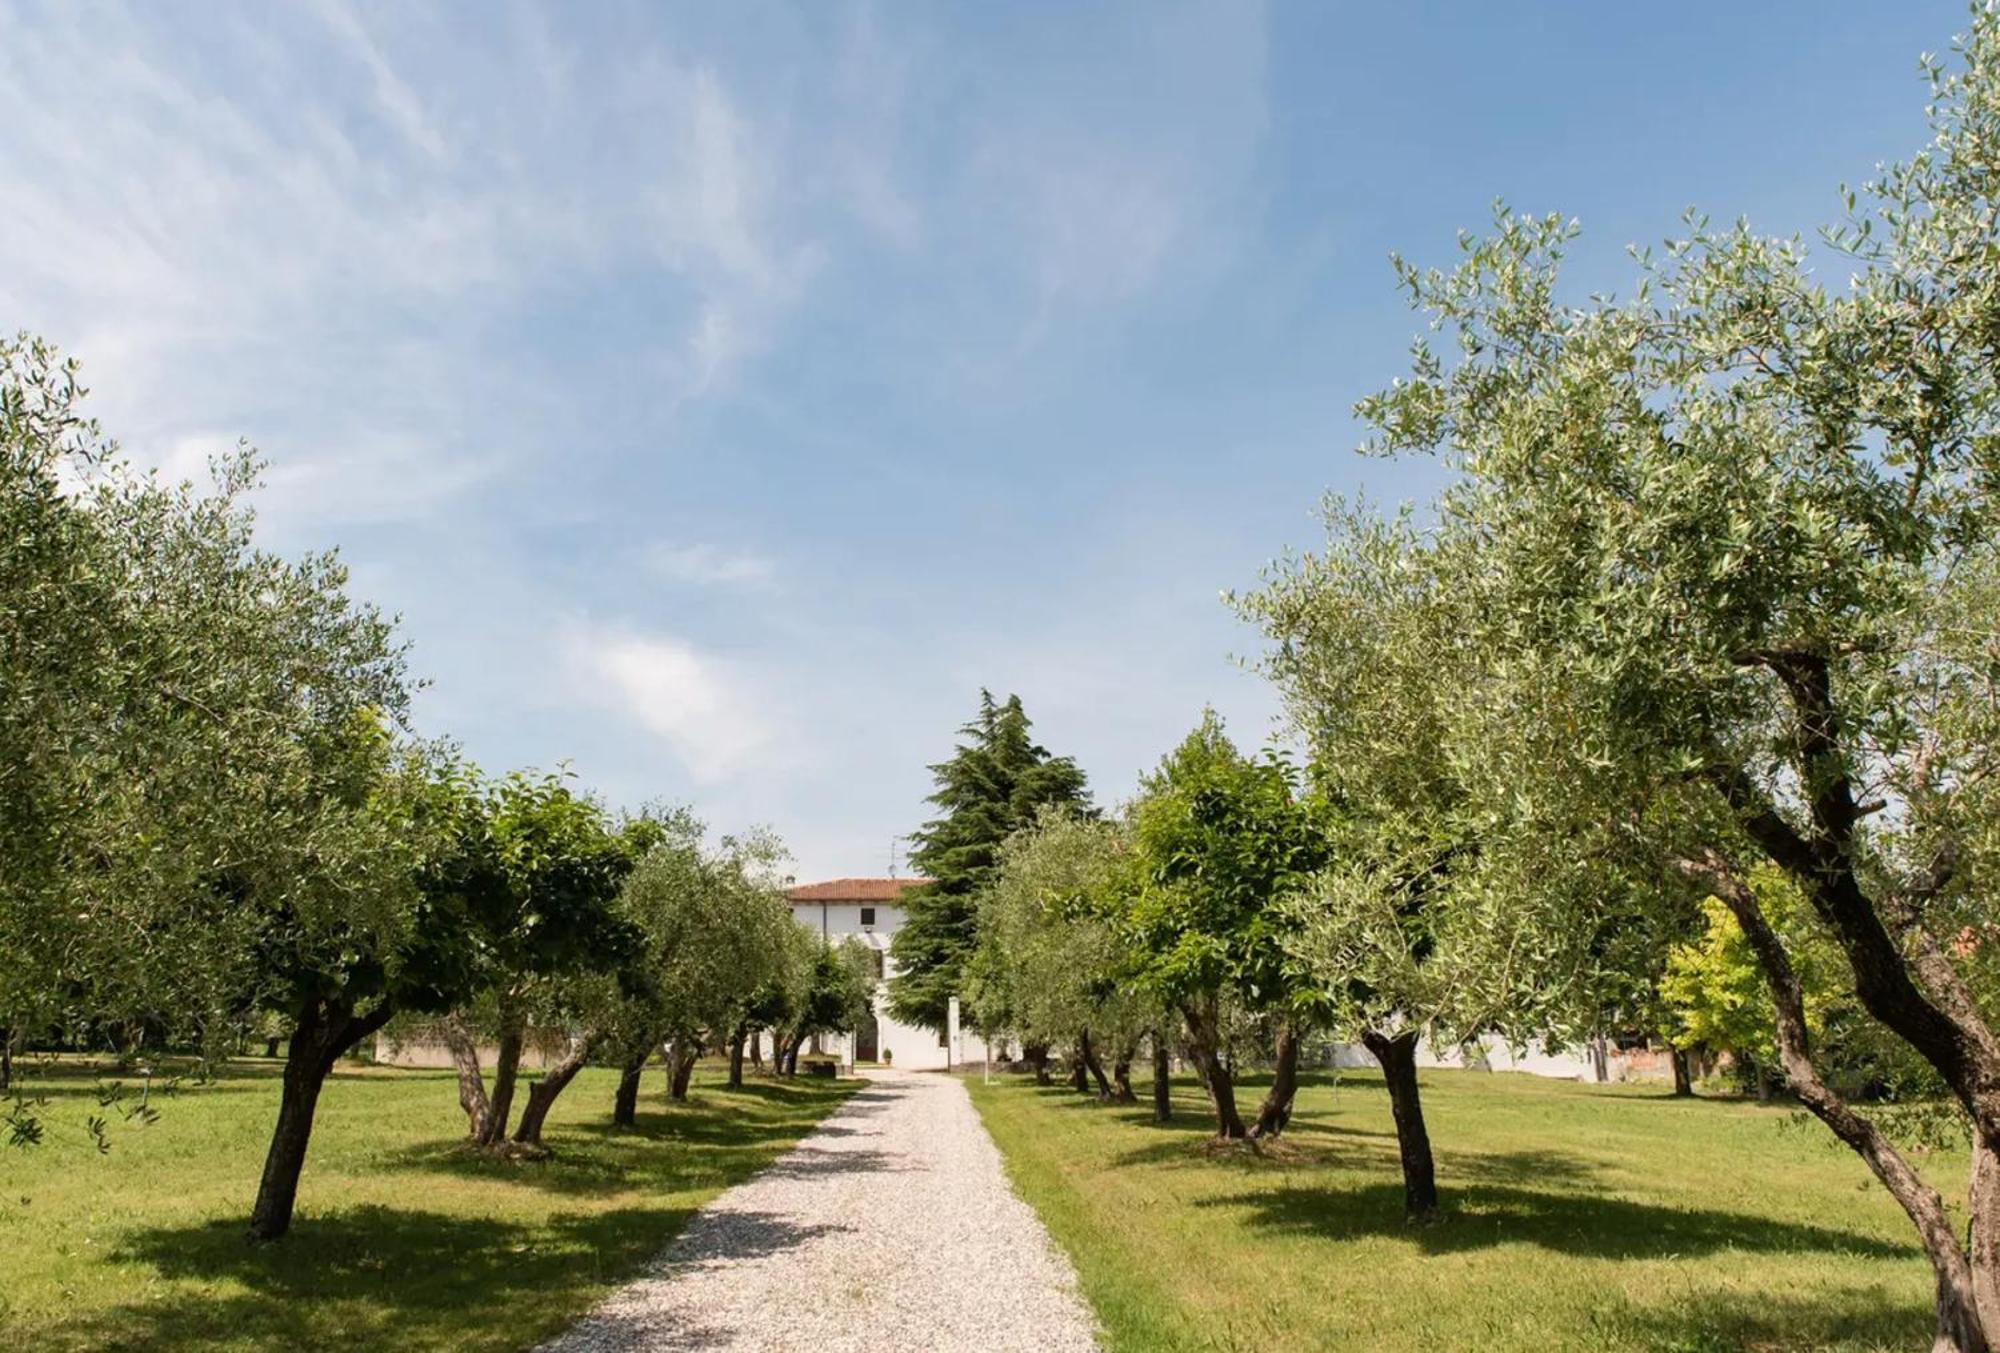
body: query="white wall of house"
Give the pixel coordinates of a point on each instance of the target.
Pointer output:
(874, 923)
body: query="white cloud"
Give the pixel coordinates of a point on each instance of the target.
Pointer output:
(700, 705)
(709, 565)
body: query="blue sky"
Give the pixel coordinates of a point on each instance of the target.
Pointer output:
(724, 394)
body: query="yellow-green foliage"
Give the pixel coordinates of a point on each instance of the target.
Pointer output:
(1716, 995)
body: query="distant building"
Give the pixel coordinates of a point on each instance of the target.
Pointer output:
(872, 911)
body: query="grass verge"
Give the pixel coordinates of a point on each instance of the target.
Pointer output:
(1581, 1217)
(403, 1240)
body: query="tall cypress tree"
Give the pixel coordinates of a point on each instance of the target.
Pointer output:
(993, 784)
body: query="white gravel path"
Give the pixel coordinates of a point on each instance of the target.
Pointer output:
(890, 1227)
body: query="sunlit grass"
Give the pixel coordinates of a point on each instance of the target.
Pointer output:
(1581, 1218)
(402, 1240)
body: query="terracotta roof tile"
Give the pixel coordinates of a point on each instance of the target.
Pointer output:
(852, 890)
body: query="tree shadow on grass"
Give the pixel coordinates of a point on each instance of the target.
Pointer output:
(374, 1276)
(1481, 1215)
(1724, 1322)
(594, 1165)
(666, 1148)
(395, 1277)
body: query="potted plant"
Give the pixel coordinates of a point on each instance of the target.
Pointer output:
(888, 1057)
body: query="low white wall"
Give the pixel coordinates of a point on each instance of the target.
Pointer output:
(1494, 1053)
(427, 1053)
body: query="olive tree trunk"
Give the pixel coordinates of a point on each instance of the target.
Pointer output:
(1121, 1073)
(1398, 1055)
(1967, 1275)
(736, 1056)
(680, 1068)
(1094, 1065)
(625, 1105)
(1163, 1085)
(325, 1030)
(1276, 1110)
(1683, 1079)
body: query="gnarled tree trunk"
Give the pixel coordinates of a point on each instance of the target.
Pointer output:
(1038, 1057)
(1398, 1055)
(1163, 1086)
(736, 1056)
(1121, 1073)
(326, 1029)
(1276, 1110)
(464, 1049)
(506, 1074)
(1095, 1065)
(625, 1106)
(1204, 1049)
(680, 1068)
(542, 1094)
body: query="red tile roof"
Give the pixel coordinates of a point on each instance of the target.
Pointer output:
(852, 890)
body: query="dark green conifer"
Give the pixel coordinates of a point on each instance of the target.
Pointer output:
(993, 784)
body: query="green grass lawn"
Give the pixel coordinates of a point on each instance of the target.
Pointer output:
(1580, 1217)
(402, 1240)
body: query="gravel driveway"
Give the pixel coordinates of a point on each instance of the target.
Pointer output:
(890, 1227)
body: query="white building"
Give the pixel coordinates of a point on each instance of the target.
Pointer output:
(871, 911)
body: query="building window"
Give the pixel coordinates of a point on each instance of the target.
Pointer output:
(868, 916)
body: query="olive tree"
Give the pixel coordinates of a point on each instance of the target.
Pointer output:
(205, 808)
(1441, 912)
(1053, 961)
(1742, 525)
(713, 925)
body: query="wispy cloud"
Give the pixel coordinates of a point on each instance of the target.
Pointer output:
(709, 565)
(398, 102)
(700, 705)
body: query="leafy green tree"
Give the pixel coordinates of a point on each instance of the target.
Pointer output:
(542, 920)
(1219, 839)
(1052, 963)
(1738, 531)
(993, 785)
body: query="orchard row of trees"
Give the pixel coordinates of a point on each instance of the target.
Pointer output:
(215, 820)
(1690, 673)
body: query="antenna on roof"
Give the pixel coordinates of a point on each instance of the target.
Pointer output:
(892, 855)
